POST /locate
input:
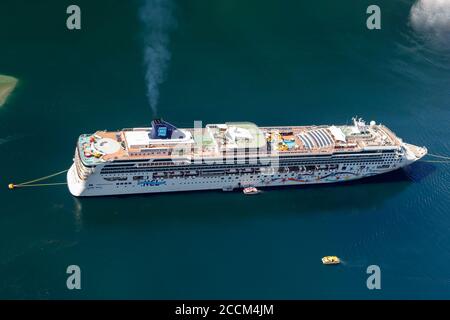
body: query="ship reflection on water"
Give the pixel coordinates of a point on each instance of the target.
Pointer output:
(78, 214)
(216, 206)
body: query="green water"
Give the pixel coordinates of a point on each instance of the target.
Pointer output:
(270, 62)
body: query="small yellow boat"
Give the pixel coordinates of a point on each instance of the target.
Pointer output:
(331, 260)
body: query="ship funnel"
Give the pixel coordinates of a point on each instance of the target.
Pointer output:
(164, 130)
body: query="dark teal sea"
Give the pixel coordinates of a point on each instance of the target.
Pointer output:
(271, 62)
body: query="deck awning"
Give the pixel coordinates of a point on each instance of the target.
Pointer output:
(338, 134)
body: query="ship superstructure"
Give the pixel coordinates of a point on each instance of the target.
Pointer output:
(232, 155)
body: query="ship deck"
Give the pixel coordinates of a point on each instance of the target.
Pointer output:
(107, 146)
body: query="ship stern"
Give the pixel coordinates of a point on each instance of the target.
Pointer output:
(75, 185)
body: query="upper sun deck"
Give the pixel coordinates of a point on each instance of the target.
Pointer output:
(163, 141)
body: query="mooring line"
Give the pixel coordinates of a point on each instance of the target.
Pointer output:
(439, 156)
(436, 161)
(30, 183)
(38, 184)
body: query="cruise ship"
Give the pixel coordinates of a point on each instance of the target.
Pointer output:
(233, 155)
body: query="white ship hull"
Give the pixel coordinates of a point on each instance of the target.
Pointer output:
(96, 185)
(99, 188)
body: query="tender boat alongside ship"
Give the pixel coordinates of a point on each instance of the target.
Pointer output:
(164, 158)
(251, 190)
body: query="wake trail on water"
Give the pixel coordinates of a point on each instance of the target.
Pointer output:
(8, 139)
(157, 20)
(4, 140)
